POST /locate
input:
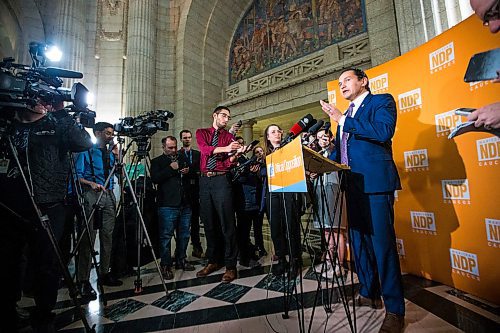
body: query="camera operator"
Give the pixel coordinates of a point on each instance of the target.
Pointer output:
(93, 168)
(42, 140)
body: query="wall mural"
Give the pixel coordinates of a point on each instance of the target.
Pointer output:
(274, 32)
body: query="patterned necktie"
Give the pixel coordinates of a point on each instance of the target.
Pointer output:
(212, 160)
(343, 146)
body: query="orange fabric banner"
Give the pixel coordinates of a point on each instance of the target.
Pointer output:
(448, 212)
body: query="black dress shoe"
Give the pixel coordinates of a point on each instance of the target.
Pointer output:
(185, 266)
(393, 323)
(88, 293)
(111, 281)
(280, 267)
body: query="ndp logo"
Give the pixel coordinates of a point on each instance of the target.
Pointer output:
(400, 247)
(379, 84)
(410, 100)
(423, 222)
(456, 191)
(493, 232)
(332, 97)
(488, 151)
(446, 122)
(473, 86)
(442, 58)
(416, 160)
(464, 263)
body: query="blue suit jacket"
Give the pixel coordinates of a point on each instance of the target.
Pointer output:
(369, 146)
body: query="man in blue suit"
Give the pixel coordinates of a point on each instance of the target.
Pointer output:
(364, 142)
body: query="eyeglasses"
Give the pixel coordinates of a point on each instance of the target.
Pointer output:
(224, 115)
(492, 14)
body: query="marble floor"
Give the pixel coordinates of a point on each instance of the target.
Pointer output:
(255, 302)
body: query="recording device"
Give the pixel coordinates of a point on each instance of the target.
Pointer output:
(239, 123)
(302, 125)
(464, 111)
(252, 145)
(327, 126)
(316, 127)
(308, 138)
(22, 86)
(144, 125)
(483, 66)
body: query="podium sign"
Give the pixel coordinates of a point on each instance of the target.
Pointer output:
(285, 169)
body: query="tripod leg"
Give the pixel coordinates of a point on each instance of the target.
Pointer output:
(143, 225)
(45, 223)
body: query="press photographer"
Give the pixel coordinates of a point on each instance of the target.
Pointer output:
(41, 138)
(93, 169)
(37, 135)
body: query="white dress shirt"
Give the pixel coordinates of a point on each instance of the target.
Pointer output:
(357, 103)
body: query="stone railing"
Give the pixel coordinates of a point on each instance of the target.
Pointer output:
(333, 58)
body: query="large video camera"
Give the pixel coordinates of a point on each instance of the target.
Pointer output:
(22, 86)
(144, 125)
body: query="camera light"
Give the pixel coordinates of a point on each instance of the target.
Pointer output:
(53, 53)
(90, 98)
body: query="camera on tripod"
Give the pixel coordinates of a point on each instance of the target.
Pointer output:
(21, 86)
(144, 125)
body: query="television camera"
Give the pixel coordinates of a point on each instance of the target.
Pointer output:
(144, 125)
(22, 86)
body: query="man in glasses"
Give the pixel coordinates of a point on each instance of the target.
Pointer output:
(219, 150)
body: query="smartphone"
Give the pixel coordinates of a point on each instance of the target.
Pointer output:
(464, 111)
(483, 66)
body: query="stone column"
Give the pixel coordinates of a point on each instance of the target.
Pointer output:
(247, 130)
(70, 36)
(140, 63)
(382, 31)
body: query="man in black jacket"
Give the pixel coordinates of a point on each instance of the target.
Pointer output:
(42, 140)
(174, 211)
(191, 183)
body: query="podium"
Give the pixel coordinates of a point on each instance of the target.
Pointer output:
(286, 167)
(317, 163)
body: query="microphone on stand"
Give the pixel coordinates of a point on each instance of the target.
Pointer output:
(300, 126)
(327, 126)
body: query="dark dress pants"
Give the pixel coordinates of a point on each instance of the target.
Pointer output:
(371, 225)
(43, 270)
(217, 215)
(284, 219)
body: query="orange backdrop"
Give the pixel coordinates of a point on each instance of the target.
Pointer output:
(448, 212)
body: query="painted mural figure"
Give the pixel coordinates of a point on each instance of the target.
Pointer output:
(274, 32)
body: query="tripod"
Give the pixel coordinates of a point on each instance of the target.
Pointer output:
(142, 152)
(82, 218)
(45, 224)
(326, 218)
(119, 167)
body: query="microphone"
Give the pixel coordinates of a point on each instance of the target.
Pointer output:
(299, 127)
(327, 126)
(316, 127)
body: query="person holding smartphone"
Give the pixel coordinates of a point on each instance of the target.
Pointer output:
(174, 210)
(489, 12)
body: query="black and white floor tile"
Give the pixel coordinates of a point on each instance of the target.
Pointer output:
(255, 303)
